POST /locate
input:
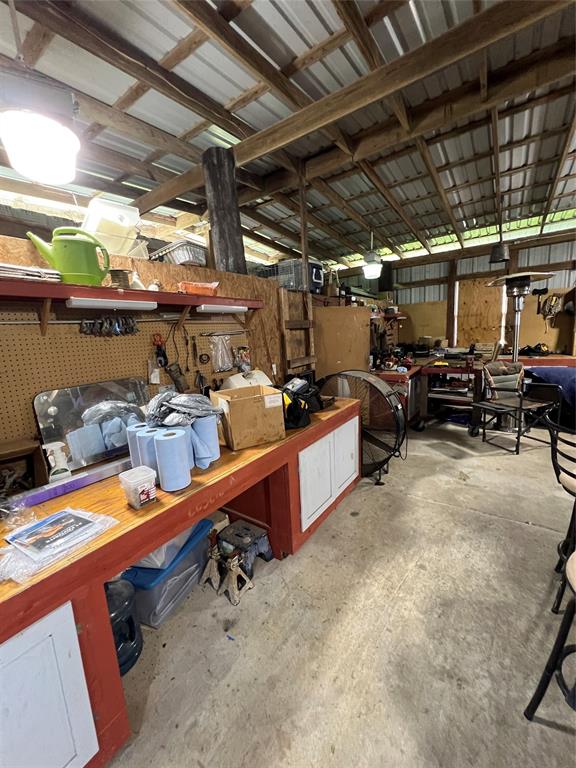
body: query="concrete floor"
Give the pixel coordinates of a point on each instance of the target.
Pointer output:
(409, 632)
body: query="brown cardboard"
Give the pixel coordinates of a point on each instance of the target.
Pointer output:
(252, 415)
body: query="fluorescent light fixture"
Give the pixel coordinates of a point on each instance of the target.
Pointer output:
(222, 309)
(391, 257)
(373, 266)
(79, 302)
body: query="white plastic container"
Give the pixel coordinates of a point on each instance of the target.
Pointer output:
(114, 224)
(139, 485)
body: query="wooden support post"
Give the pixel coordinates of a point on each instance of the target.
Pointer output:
(304, 236)
(210, 260)
(222, 200)
(451, 303)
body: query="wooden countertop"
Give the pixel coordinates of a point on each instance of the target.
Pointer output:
(107, 497)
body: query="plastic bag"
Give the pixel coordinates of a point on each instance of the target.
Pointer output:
(110, 409)
(172, 410)
(15, 514)
(15, 564)
(222, 359)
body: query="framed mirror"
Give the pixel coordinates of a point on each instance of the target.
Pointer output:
(90, 420)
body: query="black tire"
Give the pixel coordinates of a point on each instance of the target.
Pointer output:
(419, 426)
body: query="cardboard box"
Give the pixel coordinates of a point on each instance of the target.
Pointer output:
(252, 415)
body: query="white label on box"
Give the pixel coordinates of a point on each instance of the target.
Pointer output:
(273, 401)
(223, 404)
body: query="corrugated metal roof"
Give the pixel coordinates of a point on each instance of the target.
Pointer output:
(284, 31)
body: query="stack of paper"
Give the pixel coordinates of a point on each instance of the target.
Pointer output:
(29, 273)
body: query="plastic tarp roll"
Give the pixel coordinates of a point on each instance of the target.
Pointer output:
(173, 459)
(131, 433)
(146, 449)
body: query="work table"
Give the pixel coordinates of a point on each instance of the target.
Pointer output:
(289, 487)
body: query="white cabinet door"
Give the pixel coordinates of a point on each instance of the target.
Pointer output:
(316, 482)
(45, 715)
(345, 455)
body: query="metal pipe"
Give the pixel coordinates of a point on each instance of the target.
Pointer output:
(518, 307)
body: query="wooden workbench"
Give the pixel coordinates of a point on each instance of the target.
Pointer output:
(264, 479)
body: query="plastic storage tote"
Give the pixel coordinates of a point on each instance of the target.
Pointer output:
(163, 556)
(160, 591)
(114, 224)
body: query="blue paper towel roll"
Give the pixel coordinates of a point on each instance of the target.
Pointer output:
(188, 430)
(173, 459)
(146, 450)
(131, 433)
(206, 445)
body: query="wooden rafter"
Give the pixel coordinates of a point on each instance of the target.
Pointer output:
(284, 232)
(341, 204)
(378, 183)
(437, 181)
(558, 175)
(355, 23)
(171, 60)
(213, 24)
(494, 24)
(496, 166)
(35, 43)
(71, 23)
(291, 205)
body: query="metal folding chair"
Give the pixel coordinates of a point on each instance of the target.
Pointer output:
(526, 407)
(563, 449)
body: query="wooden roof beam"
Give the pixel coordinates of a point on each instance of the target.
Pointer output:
(494, 24)
(70, 22)
(558, 175)
(35, 43)
(291, 205)
(215, 26)
(435, 176)
(380, 186)
(355, 23)
(284, 232)
(337, 201)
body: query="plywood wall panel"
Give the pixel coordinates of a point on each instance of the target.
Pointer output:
(479, 312)
(342, 339)
(425, 319)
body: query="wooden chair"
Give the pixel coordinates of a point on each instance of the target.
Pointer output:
(560, 651)
(510, 397)
(563, 448)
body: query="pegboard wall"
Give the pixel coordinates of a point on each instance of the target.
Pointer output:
(31, 363)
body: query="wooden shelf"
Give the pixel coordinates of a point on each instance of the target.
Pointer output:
(33, 289)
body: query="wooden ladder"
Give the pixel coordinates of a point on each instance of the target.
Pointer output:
(296, 364)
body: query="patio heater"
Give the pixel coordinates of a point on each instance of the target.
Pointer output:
(517, 287)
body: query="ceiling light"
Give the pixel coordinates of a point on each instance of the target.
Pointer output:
(34, 119)
(499, 253)
(373, 266)
(39, 148)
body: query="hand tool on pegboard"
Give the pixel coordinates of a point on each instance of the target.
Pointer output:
(160, 344)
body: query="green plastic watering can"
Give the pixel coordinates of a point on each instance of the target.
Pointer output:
(74, 253)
